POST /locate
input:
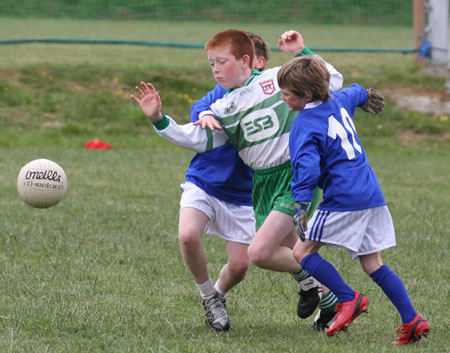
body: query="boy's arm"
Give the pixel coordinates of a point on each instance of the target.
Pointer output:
(201, 113)
(188, 136)
(367, 99)
(292, 42)
(305, 161)
(375, 102)
(336, 78)
(201, 107)
(149, 101)
(301, 218)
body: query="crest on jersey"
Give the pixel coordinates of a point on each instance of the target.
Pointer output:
(231, 107)
(268, 87)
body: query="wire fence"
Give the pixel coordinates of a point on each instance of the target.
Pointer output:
(303, 11)
(327, 12)
(200, 46)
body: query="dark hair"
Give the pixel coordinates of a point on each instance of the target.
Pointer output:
(261, 46)
(305, 76)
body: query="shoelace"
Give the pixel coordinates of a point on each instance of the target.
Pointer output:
(214, 307)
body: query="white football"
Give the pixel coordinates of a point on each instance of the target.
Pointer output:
(41, 183)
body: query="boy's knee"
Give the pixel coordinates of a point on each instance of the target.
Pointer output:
(299, 253)
(369, 268)
(370, 263)
(258, 256)
(303, 249)
(238, 269)
(188, 238)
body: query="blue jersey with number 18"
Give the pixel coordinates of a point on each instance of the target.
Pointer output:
(326, 152)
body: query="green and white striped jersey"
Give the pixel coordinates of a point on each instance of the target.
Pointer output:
(254, 119)
(257, 121)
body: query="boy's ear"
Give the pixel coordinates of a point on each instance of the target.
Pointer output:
(259, 63)
(246, 60)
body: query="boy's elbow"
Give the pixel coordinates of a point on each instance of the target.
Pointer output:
(336, 84)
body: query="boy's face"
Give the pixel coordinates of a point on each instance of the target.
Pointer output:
(226, 69)
(294, 102)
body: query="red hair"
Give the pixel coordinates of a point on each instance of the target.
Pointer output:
(234, 40)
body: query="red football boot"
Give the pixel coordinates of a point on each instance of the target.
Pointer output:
(347, 312)
(413, 331)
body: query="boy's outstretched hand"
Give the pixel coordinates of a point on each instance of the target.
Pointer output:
(150, 102)
(375, 102)
(291, 42)
(209, 121)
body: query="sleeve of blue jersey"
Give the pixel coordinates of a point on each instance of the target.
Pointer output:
(355, 95)
(204, 103)
(305, 160)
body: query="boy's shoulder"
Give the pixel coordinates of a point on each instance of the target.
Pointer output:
(314, 116)
(270, 72)
(351, 96)
(261, 86)
(351, 90)
(267, 75)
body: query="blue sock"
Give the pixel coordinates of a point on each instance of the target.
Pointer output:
(326, 274)
(393, 287)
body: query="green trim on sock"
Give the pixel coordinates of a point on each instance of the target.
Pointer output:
(301, 275)
(328, 302)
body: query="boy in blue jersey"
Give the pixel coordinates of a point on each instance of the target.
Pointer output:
(217, 199)
(326, 152)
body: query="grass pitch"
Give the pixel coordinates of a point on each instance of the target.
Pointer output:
(102, 272)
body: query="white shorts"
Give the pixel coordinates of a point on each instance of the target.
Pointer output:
(359, 232)
(231, 222)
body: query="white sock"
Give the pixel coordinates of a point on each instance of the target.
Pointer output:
(220, 291)
(206, 289)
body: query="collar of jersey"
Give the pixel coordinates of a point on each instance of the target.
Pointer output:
(247, 81)
(311, 105)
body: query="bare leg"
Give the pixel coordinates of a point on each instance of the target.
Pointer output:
(272, 246)
(191, 227)
(235, 270)
(190, 230)
(305, 248)
(301, 249)
(371, 262)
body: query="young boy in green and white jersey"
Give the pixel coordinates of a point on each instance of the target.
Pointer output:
(257, 122)
(216, 199)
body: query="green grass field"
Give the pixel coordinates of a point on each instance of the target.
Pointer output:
(102, 271)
